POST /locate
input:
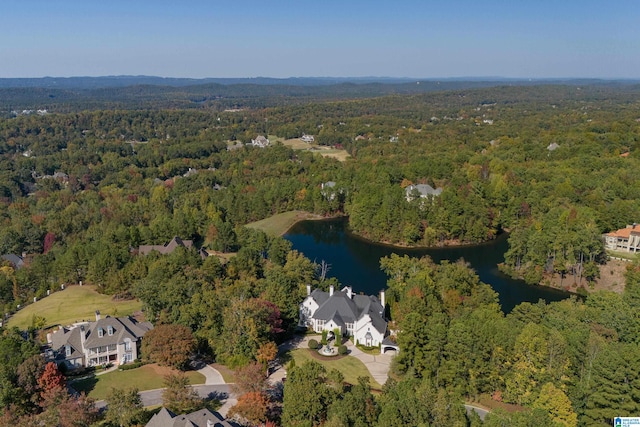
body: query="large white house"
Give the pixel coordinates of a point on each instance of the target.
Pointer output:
(423, 191)
(107, 340)
(359, 316)
(626, 239)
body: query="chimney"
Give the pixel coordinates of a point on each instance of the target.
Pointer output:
(97, 315)
(83, 336)
(331, 290)
(382, 301)
(349, 292)
(308, 290)
(209, 423)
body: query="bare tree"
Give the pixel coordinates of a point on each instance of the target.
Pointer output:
(324, 268)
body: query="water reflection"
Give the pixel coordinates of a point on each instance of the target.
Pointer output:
(356, 262)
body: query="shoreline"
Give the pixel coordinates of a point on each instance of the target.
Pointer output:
(318, 217)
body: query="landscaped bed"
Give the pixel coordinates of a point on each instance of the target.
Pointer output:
(350, 367)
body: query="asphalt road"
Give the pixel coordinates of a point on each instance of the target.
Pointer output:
(154, 397)
(481, 412)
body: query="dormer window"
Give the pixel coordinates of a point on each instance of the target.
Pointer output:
(110, 330)
(100, 332)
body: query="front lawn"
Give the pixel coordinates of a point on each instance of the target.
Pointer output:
(147, 377)
(350, 367)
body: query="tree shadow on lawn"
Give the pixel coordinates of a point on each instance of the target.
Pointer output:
(84, 385)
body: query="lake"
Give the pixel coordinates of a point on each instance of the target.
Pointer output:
(356, 262)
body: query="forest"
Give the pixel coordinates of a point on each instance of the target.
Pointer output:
(552, 165)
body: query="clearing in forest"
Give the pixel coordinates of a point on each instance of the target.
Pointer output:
(279, 224)
(323, 150)
(73, 304)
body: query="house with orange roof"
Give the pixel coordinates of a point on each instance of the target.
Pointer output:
(626, 239)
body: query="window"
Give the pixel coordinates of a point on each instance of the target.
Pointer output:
(110, 330)
(67, 350)
(127, 345)
(100, 332)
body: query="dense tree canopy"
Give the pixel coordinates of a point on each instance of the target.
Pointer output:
(554, 165)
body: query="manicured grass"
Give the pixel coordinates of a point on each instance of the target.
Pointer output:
(350, 367)
(279, 224)
(227, 374)
(621, 254)
(74, 304)
(375, 351)
(147, 377)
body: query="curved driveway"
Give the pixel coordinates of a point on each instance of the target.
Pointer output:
(378, 365)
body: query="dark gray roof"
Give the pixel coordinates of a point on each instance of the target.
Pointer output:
(342, 309)
(122, 327)
(200, 418)
(63, 337)
(167, 248)
(378, 322)
(388, 341)
(338, 303)
(15, 260)
(319, 296)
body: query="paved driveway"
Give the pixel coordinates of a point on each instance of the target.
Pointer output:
(377, 365)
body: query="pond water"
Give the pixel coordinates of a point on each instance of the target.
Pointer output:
(356, 262)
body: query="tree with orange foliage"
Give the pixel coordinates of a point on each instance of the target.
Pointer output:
(250, 378)
(51, 382)
(252, 407)
(266, 353)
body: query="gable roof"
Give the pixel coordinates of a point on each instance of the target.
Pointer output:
(167, 248)
(338, 303)
(123, 328)
(200, 418)
(341, 308)
(71, 337)
(14, 259)
(424, 190)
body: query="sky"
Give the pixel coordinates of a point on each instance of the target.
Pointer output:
(321, 38)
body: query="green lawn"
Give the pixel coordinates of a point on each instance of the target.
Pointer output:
(74, 304)
(350, 367)
(621, 254)
(147, 377)
(279, 224)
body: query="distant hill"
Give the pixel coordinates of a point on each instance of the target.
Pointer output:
(125, 81)
(69, 94)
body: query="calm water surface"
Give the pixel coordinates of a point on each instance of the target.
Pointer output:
(356, 262)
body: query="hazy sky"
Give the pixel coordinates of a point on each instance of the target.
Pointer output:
(282, 38)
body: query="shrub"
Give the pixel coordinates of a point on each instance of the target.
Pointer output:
(338, 339)
(313, 344)
(342, 350)
(133, 365)
(324, 337)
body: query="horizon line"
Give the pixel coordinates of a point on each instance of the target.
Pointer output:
(469, 77)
